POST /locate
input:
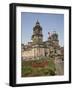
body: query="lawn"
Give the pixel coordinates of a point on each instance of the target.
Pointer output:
(41, 67)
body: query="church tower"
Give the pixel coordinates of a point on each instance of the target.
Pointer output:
(37, 36)
(54, 38)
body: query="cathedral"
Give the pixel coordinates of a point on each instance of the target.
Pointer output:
(39, 48)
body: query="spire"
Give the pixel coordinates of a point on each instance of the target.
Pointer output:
(37, 23)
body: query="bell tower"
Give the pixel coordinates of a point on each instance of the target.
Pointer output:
(37, 36)
(54, 38)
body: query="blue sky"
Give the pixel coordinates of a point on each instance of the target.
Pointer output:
(49, 22)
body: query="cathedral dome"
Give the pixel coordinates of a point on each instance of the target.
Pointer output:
(37, 26)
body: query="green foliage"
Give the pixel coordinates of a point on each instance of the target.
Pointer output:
(28, 70)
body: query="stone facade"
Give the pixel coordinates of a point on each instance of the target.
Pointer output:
(39, 48)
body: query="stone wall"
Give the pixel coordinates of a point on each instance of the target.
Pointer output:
(33, 52)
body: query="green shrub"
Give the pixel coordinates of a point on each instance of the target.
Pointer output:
(51, 72)
(28, 70)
